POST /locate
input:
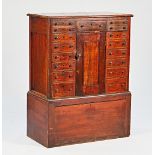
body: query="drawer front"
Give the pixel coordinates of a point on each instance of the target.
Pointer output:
(116, 35)
(90, 121)
(116, 85)
(62, 66)
(116, 72)
(56, 57)
(63, 90)
(64, 47)
(118, 28)
(117, 22)
(91, 25)
(116, 53)
(117, 25)
(117, 44)
(63, 37)
(63, 76)
(116, 62)
(63, 22)
(64, 29)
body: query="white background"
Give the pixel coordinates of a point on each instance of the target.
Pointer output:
(15, 76)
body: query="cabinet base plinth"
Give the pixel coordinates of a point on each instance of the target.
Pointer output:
(78, 120)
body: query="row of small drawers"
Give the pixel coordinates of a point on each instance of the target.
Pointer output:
(63, 61)
(116, 62)
(63, 25)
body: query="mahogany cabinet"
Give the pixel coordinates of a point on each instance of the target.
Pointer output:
(79, 77)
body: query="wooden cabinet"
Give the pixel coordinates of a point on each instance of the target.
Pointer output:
(79, 77)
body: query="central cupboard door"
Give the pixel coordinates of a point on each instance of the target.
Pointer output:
(90, 64)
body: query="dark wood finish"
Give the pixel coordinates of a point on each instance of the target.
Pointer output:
(79, 77)
(55, 122)
(90, 49)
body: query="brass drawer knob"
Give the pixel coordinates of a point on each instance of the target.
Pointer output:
(55, 66)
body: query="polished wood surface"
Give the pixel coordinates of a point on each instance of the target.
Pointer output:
(79, 77)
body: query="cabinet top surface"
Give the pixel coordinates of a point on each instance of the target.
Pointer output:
(80, 14)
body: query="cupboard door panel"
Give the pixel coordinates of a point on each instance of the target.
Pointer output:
(89, 69)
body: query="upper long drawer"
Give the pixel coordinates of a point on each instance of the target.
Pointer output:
(91, 25)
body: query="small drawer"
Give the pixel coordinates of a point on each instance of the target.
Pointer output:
(61, 66)
(116, 85)
(116, 62)
(63, 90)
(116, 53)
(117, 44)
(63, 76)
(63, 37)
(56, 57)
(91, 25)
(116, 35)
(117, 28)
(64, 47)
(117, 22)
(64, 29)
(62, 22)
(116, 72)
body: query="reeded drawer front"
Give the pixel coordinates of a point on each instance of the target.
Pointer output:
(64, 47)
(91, 25)
(116, 72)
(117, 44)
(63, 37)
(116, 53)
(63, 90)
(116, 35)
(116, 85)
(56, 57)
(64, 65)
(63, 76)
(116, 62)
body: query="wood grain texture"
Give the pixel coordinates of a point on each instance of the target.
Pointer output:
(90, 116)
(37, 119)
(39, 55)
(89, 50)
(79, 78)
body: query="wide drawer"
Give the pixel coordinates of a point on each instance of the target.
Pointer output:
(63, 76)
(63, 90)
(64, 47)
(116, 85)
(116, 62)
(116, 72)
(63, 29)
(64, 65)
(91, 25)
(63, 22)
(63, 37)
(112, 53)
(56, 57)
(90, 121)
(117, 44)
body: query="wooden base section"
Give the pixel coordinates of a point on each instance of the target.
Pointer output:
(77, 120)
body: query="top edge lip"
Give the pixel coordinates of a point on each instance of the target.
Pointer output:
(79, 14)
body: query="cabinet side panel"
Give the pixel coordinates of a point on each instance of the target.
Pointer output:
(39, 55)
(37, 119)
